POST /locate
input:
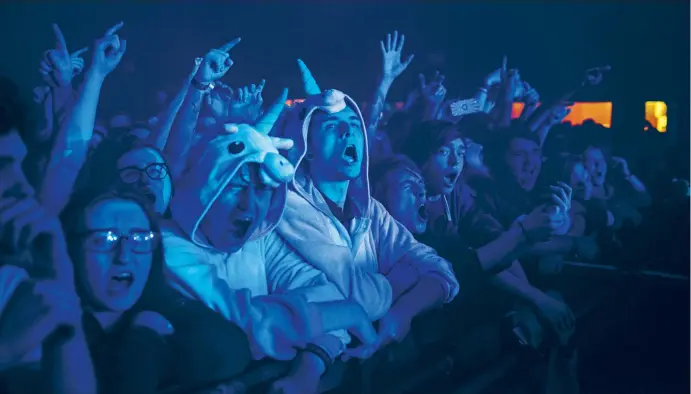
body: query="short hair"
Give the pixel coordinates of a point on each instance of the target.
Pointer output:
(378, 173)
(427, 138)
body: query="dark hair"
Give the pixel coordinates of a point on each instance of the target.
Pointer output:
(14, 113)
(72, 219)
(427, 138)
(476, 127)
(495, 150)
(385, 166)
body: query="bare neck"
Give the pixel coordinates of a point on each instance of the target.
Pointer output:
(335, 191)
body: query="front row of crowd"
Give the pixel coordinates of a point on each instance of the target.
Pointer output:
(175, 252)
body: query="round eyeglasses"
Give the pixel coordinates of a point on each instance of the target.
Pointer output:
(155, 171)
(106, 240)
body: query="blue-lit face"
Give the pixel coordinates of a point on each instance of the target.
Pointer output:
(112, 273)
(442, 169)
(596, 165)
(145, 169)
(405, 199)
(337, 144)
(239, 210)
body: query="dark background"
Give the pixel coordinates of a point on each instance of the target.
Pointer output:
(646, 43)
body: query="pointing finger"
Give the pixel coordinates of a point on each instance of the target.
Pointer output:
(114, 29)
(227, 47)
(79, 52)
(60, 43)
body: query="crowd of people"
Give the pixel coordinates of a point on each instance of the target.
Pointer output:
(180, 251)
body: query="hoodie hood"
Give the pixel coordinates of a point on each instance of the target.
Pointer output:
(211, 167)
(296, 127)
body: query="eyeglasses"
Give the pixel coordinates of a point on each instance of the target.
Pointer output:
(106, 240)
(155, 171)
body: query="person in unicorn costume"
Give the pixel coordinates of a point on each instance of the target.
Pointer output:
(372, 259)
(220, 249)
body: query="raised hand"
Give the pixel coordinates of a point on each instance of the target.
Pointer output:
(619, 164)
(108, 52)
(391, 55)
(57, 66)
(216, 63)
(434, 90)
(562, 197)
(530, 95)
(33, 313)
(559, 112)
(593, 76)
(246, 103)
(24, 222)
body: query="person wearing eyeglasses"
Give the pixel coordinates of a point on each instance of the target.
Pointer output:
(145, 169)
(137, 347)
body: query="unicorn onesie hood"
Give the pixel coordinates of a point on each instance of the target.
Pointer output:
(375, 259)
(237, 283)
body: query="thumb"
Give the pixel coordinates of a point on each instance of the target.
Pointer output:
(423, 82)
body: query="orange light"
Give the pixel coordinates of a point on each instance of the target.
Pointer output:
(601, 113)
(292, 102)
(656, 114)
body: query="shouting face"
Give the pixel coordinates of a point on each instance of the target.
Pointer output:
(116, 254)
(337, 144)
(405, 199)
(443, 168)
(239, 210)
(145, 169)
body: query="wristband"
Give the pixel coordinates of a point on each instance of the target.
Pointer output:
(321, 353)
(203, 87)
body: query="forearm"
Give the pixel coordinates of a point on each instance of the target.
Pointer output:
(167, 118)
(481, 98)
(182, 131)
(68, 366)
(636, 184)
(516, 285)
(308, 363)
(497, 254)
(428, 293)
(71, 145)
(528, 110)
(431, 111)
(557, 244)
(377, 106)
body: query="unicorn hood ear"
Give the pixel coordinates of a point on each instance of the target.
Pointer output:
(267, 121)
(308, 81)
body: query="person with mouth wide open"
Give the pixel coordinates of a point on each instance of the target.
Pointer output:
(333, 222)
(220, 248)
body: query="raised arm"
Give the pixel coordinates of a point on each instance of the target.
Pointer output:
(211, 68)
(160, 134)
(71, 144)
(392, 67)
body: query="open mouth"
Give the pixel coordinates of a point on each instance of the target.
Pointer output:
(150, 196)
(422, 212)
(121, 282)
(350, 154)
(450, 178)
(240, 227)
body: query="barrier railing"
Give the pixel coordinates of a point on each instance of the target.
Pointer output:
(494, 370)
